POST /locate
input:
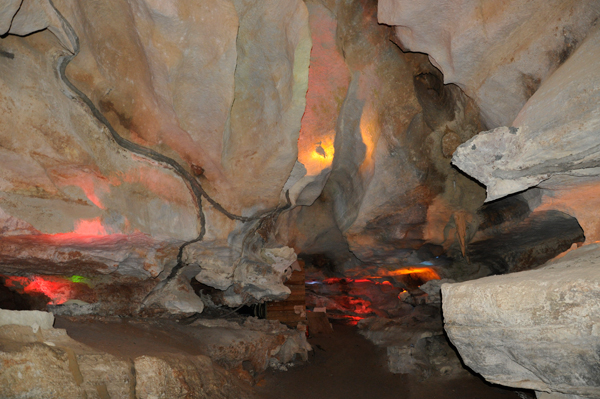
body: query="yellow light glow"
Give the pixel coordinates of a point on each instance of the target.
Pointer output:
(318, 155)
(369, 131)
(425, 273)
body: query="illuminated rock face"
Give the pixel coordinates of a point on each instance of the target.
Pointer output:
(538, 329)
(391, 186)
(219, 86)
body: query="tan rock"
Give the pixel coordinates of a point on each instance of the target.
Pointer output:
(38, 370)
(173, 376)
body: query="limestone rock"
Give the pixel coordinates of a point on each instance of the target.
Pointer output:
(553, 135)
(498, 53)
(526, 245)
(102, 373)
(49, 364)
(172, 376)
(537, 329)
(33, 318)
(415, 343)
(136, 255)
(433, 290)
(37, 370)
(263, 343)
(165, 75)
(376, 201)
(176, 296)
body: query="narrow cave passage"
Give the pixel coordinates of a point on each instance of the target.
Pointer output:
(299, 198)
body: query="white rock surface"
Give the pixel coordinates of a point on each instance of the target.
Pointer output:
(33, 318)
(554, 134)
(497, 52)
(217, 85)
(538, 329)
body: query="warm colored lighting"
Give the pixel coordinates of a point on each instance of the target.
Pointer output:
(424, 273)
(92, 227)
(369, 131)
(317, 156)
(353, 320)
(58, 290)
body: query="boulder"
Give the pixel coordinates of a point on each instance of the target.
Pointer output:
(537, 329)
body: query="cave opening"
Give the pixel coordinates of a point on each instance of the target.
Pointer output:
(300, 198)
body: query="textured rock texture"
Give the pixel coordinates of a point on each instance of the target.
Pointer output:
(261, 343)
(538, 329)
(132, 359)
(219, 86)
(527, 244)
(392, 125)
(415, 343)
(553, 135)
(182, 377)
(498, 53)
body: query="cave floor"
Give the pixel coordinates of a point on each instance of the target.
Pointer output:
(345, 365)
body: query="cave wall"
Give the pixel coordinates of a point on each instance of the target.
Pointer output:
(217, 86)
(498, 53)
(528, 65)
(311, 113)
(391, 186)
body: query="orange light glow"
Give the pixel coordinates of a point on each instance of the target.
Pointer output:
(92, 227)
(425, 273)
(317, 156)
(369, 131)
(415, 270)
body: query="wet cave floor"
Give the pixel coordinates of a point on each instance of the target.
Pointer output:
(345, 365)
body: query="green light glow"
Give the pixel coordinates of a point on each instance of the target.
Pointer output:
(79, 279)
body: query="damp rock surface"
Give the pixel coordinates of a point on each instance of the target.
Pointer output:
(537, 329)
(120, 358)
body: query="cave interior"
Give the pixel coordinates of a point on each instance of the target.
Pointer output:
(300, 199)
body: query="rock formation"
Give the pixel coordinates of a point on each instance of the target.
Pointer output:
(218, 87)
(499, 54)
(393, 126)
(538, 329)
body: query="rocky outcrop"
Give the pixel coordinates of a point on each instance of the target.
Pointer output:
(538, 329)
(125, 358)
(499, 54)
(516, 246)
(553, 135)
(46, 362)
(219, 87)
(392, 125)
(551, 143)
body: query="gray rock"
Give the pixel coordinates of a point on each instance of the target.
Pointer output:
(554, 134)
(498, 53)
(33, 318)
(537, 329)
(175, 296)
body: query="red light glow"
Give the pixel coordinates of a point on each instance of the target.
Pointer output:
(58, 289)
(92, 227)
